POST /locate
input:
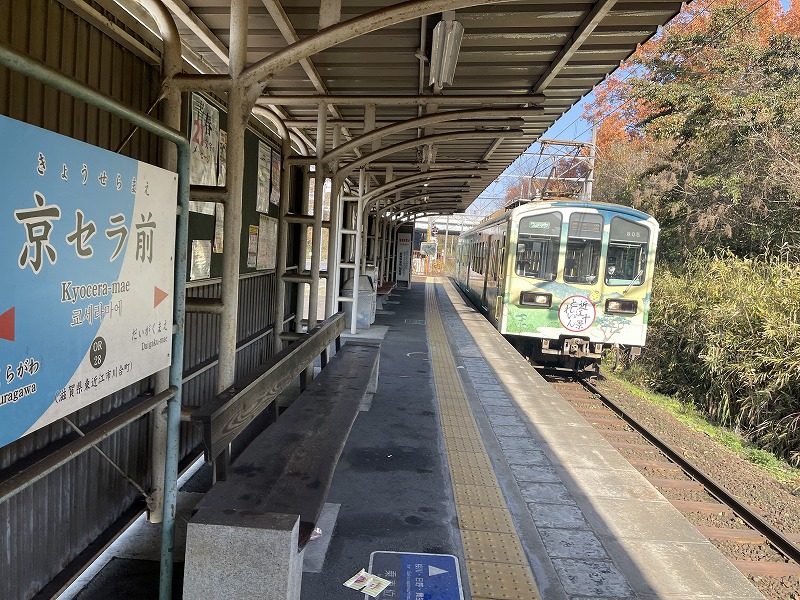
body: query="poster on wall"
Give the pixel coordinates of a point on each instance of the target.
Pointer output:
(252, 246)
(219, 229)
(267, 242)
(204, 149)
(404, 258)
(87, 252)
(200, 267)
(264, 166)
(223, 158)
(275, 178)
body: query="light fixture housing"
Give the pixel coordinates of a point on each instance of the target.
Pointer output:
(445, 46)
(542, 300)
(615, 306)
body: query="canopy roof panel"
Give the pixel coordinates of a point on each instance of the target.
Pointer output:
(558, 50)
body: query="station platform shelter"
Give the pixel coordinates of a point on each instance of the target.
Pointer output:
(194, 191)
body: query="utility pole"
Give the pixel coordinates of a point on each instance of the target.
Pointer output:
(592, 156)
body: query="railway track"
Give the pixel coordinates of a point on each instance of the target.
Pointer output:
(768, 557)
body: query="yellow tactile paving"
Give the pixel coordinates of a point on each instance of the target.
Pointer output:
(460, 444)
(457, 431)
(470, 459)
(457, 421)
(491, 546)
(496, 563)
(478, 495)
(494, 581)
(471, 475)
(482, 518)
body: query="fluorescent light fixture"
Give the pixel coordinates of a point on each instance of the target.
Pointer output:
(445, 45)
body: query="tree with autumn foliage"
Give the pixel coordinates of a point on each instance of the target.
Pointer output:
(701, 128)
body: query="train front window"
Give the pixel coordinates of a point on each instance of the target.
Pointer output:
(582, 260)
(537, 246)
(627, 252)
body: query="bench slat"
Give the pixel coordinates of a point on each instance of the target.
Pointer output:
(224, 417)
(289, 467)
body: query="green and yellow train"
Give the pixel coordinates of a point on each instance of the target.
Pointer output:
(563, 279)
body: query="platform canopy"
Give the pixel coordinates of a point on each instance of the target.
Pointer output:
(528, 61)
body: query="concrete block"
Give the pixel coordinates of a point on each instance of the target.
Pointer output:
(247, 555)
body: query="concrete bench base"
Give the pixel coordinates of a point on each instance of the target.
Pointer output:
(245, 555)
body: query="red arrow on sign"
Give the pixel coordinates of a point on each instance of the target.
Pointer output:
(7, 325)
(158, 296)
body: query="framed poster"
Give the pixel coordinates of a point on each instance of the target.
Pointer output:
(88, 253)
(204, 148)
(267, 242)
(223, 158)
(204, 142)
(264, 165)
(219, 229)
(252, 246)
(275, 178)
(200, 267)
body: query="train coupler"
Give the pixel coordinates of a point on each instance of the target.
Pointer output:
(574, 347)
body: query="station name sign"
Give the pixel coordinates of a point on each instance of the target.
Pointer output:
(87, 247)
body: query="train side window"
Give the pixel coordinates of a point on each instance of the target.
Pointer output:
(627, 252)
(537, 246)
(582, 261)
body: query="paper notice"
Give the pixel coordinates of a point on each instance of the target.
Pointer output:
(358, 581)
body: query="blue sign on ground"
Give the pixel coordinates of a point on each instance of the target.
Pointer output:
(418, 576)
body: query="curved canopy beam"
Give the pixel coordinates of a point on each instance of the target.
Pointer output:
(454, 194)
(512, 114)
(453, 184)
(259, 73)
(398, 185)
(429, 139)
(436, 209)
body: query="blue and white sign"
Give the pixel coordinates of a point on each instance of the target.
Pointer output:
(418, 576)
(87, 241)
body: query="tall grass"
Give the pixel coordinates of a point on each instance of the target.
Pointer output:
(724, 334)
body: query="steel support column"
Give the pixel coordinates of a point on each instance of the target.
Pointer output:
(238, 114)
(334, 234)
(279, 305)
(171, 65)
(316, 233)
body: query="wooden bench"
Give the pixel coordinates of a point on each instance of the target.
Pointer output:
(246, 537)
(226, 416)
(383, 291)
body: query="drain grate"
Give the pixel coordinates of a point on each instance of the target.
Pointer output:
(415, 322)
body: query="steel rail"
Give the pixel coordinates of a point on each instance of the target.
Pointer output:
(747, 514)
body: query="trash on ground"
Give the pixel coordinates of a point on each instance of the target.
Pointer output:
(358, 581)
(372, 585)
(375, 585)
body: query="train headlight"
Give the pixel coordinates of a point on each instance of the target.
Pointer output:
(622, 307)
(536, 299)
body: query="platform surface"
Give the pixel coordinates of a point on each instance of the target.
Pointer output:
(464, 450)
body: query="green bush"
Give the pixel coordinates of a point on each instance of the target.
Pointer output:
(724, 334)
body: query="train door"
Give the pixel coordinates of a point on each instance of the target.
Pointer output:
(493, 249)
(500, 278)
(485, 249)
